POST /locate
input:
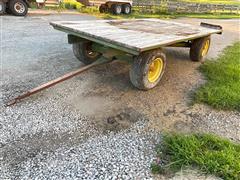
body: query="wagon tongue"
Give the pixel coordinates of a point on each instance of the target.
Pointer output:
(69, 75)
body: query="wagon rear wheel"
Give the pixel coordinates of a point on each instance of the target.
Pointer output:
(147, 69)
(199, 48)
(84, 53)
(126, 8)
(116, 9)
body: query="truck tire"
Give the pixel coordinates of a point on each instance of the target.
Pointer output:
(147, 69)
(2, 7)
(103, 8)
(199, 48)
(116, 9)
(18, 7)
(126, 8)
(84, 53)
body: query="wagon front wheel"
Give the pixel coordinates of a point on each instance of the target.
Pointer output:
(84, 53)
(147, 69)
(199, 48)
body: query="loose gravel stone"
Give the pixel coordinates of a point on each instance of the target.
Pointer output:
(125, 155)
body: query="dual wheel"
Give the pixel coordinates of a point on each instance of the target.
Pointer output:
(148, 67)
(17, 7)
(116, 8)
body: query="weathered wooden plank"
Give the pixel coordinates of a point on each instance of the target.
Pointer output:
(130, 50)
(134, 36)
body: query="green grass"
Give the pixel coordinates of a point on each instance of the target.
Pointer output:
(161, 15)
(222, 89)
(93, 10)
(228, 2)
(209, 153)
(135, 15)
(209, 16)
(71, 4)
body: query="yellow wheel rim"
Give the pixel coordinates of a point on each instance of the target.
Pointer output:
(205, 48)
(155, 70)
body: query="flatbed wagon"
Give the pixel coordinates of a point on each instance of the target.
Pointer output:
(139, 41)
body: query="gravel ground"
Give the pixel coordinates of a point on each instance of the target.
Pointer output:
(95, 123)
(125, 155)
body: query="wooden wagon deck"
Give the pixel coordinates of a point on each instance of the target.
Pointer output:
(135, 36)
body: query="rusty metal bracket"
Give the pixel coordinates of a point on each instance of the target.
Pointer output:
(101, 60)
(212, 26)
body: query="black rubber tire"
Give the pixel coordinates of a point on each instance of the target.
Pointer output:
(140, 67)
(80, 50)
(8, 11)
(103, 8)
(3, 7)
(114, 9)
(196, 48)
(126, 8)
(14, 11)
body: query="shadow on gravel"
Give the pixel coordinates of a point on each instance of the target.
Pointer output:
(14, 153)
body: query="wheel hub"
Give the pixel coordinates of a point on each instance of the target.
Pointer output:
(205, 48)
(19, 7)
(119, 9)
(155, 70)
(127, 10)
(89, 52)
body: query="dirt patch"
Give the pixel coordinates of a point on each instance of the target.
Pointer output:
(107, 115)
(123, 119)
(157, 105)
(91, 105)
(102, 102)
